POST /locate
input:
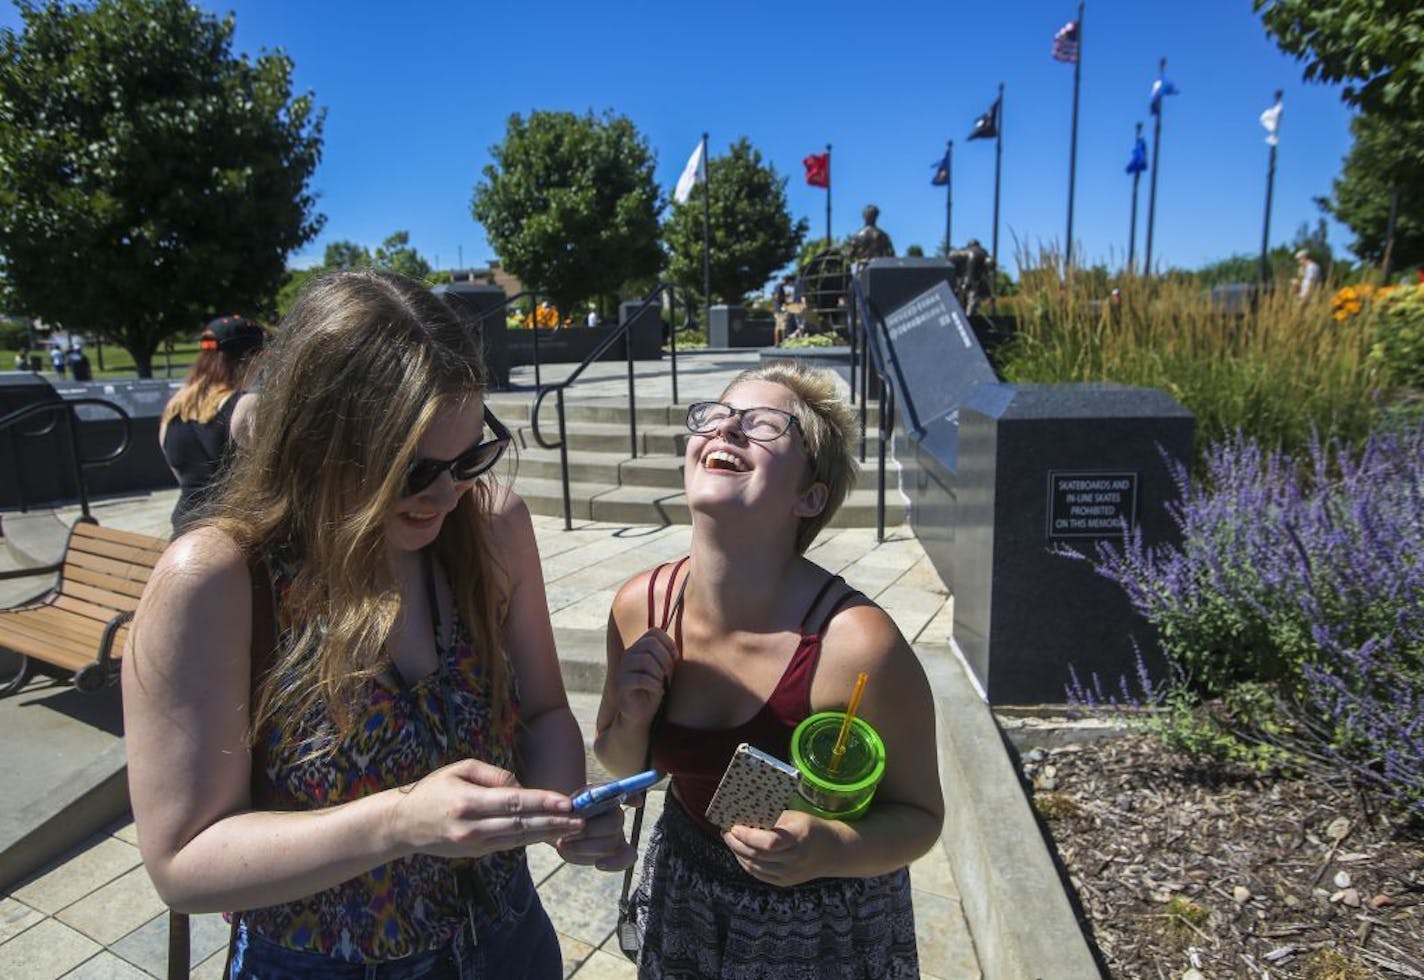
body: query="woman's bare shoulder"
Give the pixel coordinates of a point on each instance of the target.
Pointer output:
(862, 634)
(197, 567)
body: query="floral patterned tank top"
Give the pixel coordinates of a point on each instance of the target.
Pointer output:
(410, 905)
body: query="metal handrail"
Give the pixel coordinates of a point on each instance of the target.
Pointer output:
(557, 389)
(78, 463)
(862, 312)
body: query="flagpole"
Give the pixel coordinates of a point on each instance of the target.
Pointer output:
(948, 194)
(1156, 165)
(1132, 222)
(998, 156)
(828, 195)
(1073, 140)
(1270, 188)
(706, 237)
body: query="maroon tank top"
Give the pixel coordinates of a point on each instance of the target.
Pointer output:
(695, 758)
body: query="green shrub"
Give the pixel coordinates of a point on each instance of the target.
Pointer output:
(691, 339)
(1398, 348)
(810, 340)
(14, 334)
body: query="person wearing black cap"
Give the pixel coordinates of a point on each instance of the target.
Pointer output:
(196, 426)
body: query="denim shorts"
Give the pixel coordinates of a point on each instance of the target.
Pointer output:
(521, 945)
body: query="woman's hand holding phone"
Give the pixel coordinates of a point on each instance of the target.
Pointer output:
(601, 842)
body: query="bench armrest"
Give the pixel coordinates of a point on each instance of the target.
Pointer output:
(111, 629)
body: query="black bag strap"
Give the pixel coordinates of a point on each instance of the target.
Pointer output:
(262, 652)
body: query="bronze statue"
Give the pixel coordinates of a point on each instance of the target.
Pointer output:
(870, 242)
(974, 274)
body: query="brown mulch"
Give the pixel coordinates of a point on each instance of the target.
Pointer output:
(1184, 871)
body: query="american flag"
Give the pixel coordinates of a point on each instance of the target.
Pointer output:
(1065, 43)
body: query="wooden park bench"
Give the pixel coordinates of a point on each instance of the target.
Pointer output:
(80, 625)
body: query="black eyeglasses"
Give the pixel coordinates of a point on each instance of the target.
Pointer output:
(478, 459)
(761, 423)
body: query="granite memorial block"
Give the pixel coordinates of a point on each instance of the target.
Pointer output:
(723, 324)
(36, 453)
(648, 333)
(933, 360)
(142, 466)
(1041, 467)
(32, 454)
(730, 326)
(480, 307)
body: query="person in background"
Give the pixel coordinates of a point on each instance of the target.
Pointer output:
(194, 430)
(56, 357)
(22, 359)
(1307, 275)
(740, 642)
(342, 703)
(78, 361)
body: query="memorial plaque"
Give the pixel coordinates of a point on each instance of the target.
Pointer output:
(934, 357)
(1088, 504)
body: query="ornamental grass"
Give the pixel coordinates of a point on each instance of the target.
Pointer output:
(1279, 370)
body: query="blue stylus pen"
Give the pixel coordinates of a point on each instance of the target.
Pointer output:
(604, 796)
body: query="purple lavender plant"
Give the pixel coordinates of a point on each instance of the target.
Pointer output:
(1308, 579)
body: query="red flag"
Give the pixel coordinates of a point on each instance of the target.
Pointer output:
(818, 169)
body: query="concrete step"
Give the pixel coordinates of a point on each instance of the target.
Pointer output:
(583, 660)
(616, 469)
(609, 437)
(668, 505)
(514, 408)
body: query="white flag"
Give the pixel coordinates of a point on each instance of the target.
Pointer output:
(692, 174)
(1271, 119)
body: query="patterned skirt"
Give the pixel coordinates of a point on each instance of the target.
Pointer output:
(700, 915)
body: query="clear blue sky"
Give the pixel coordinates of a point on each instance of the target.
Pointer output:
(417, 93)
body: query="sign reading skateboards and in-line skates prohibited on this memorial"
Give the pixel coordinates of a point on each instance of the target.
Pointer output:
(1090, 504)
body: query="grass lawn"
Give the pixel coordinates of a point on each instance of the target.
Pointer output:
(119, 363)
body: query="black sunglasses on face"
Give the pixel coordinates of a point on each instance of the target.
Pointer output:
(478, 459)
(761, 423)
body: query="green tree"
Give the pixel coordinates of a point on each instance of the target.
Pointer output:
(752, 234)
(149, 178)
(570, 205)
(1375, 46)
(914, 252)
(396, 254)
(343, 254)
(1387, 154)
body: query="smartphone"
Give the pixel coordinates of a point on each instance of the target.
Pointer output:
(754, 790)
(598, 799)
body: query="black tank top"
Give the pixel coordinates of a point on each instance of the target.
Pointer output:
(196, 452)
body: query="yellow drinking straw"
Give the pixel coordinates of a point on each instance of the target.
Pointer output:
(843, 737)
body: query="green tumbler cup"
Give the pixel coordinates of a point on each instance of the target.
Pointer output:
(845, 792)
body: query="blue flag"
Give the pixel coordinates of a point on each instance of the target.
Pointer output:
(1161, 87)
(1138, 163)
(941, 174)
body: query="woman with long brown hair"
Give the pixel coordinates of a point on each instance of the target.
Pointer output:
(342, 690)
(195, 428)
